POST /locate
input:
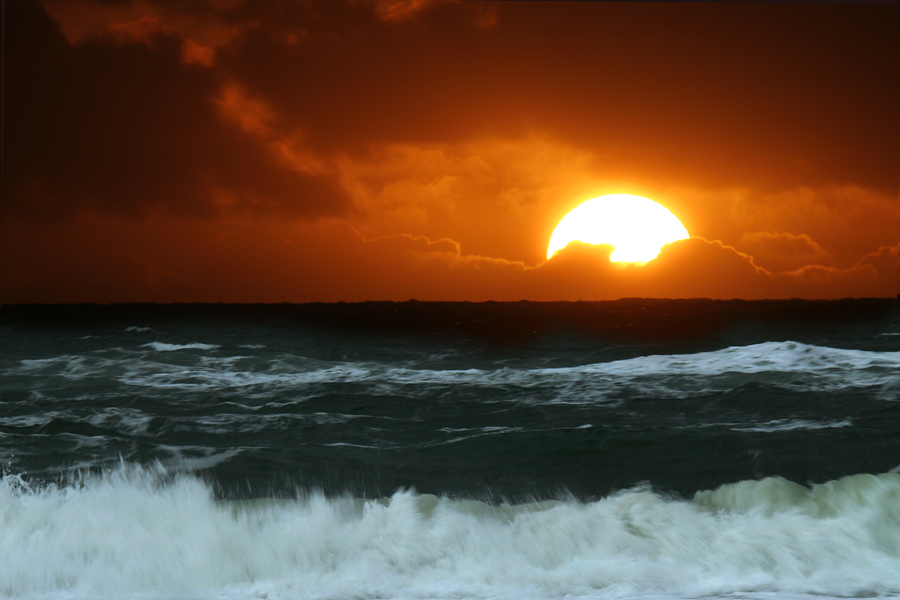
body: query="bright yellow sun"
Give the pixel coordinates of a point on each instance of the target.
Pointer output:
(638, 227)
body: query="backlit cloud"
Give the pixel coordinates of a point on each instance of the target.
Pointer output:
(201, 33)
(523, 186)
(779, 251)
(131, 130)
(388, 149)
(330, 261)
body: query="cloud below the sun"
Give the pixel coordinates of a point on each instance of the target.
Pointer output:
(117, 260)
(208, 151)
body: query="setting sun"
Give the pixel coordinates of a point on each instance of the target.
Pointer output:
(637, 227)
(352, 299)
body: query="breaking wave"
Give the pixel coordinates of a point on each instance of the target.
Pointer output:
(163, 347)
(790, 365)
(143, 531)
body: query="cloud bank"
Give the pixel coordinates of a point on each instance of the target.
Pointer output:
(395, 149)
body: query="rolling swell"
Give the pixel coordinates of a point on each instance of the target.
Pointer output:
(135, 530)
(260, 419)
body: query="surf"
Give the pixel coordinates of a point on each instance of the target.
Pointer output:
(144, 530)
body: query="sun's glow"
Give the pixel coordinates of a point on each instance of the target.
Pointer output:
(637, 227)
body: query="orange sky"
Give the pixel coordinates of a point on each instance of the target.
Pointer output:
(239, 151)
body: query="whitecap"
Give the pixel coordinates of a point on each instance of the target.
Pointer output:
(787, 365)
(163, 347)
(144, 533)
(794, 424)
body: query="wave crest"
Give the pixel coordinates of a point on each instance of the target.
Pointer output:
(137, 530)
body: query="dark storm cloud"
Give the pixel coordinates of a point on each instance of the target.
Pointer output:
(122, 115)
(125, 127)
(757, 94)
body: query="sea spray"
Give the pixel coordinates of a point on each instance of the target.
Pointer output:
(144, 530)
(584, 458)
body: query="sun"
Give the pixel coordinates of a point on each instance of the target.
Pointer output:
(637, 227)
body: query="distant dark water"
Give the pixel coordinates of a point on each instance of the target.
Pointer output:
(497, 402)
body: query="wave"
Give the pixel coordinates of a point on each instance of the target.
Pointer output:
(143, 531)
(777, 425)
(163, 347)
(790, 365)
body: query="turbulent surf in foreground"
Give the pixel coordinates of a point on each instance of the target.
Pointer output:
(135, 530)
(334, 455)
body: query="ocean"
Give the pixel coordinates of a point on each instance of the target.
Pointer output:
(653, 449)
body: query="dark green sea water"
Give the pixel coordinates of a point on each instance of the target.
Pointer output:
(622, 417)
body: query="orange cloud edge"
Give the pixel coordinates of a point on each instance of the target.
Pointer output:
(261, 261)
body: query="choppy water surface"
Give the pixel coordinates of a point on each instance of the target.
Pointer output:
(639, 449)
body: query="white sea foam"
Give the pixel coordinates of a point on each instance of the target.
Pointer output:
(163, 347)
(791, 365)
(140, 534)
(207, 458)
(794, 424)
